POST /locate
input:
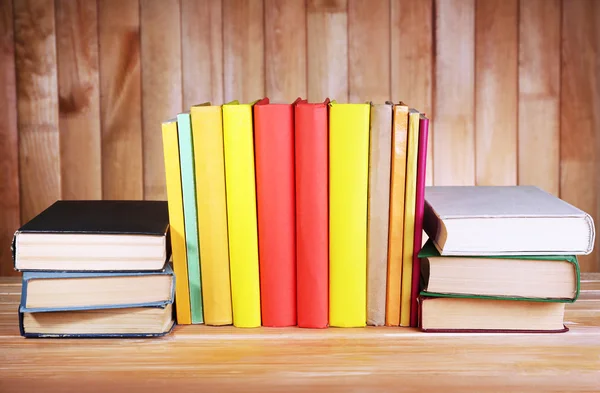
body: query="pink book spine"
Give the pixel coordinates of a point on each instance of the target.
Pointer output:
(419, 209)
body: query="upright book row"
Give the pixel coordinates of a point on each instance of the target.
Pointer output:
(301, 214)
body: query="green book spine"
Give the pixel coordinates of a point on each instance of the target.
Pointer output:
(188, 186)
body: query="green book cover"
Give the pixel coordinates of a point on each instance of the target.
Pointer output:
(188, 186)
(429, 250)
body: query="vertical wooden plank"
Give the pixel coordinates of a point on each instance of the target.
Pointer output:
(327, 43)
(243, 50)
(579, 120)
(412, 60)
(539, 94)
(285, 49)
(202, 52)
(368, 51)
(161, 85)
(37, 105)
(9, 147)
(496, 91)
(120, 99)
(453, 133)
(78, 99)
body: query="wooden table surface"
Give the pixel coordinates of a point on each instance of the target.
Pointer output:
(220, 359)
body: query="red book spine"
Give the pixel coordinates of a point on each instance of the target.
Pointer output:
(275, 197)
(312, 214)
(419, 209)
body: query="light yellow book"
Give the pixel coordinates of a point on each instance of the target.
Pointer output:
(207, 131)
(241, 213)
(412, 150)
(348, 189)
(176, 223)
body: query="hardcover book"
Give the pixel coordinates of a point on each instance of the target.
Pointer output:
(207, 131)
(348, 189)
(505, 220)
(312, 213)
(240, 183)
(274, 162)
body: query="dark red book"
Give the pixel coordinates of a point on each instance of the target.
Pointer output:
(312, 213)
(276, 212)
(419, 211)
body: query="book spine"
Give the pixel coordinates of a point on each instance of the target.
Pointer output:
(176, 221)
(412, 154)
(274, 145)
(348, 188)
(188, 182)
(241, 214)
(378, 211)
(396, 223)
(212, 213)
(312, 214)
(419, 212)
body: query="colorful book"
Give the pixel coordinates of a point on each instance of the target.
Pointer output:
(176, 220)
(410, 194)
(419, 208)
(348, 189)
(274, 160)
(207, 130)
(312, 213)
(238, 143)
(396, 230)
(188, 183)
(380, 147)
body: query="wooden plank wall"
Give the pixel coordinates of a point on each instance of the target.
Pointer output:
(512, 86)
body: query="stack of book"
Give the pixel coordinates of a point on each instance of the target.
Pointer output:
(500, 258)
(96, 269)
(296, 214)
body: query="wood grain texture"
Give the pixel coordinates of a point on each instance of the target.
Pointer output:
(9, 148)
(120, 99)
(79, 99)
(161, 85)
(539, 94)
(453, 128)
(412, 60)
(580, 120)
(327, 53)
(377, 359)
(496, 91)
(368, 51)
(243, 50)
(37, 104)
(285, 50)
(202, 52)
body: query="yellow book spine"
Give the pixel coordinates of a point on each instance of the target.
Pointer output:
(396, 227)
(176, 223)
(348, 189)
(241, 214)
(207, 131)
(412, 150)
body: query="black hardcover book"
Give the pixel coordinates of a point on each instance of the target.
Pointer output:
(98, 235)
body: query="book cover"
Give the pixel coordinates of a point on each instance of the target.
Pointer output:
(188, 189)
(31, 276)
(380, 147)
(419, 208)
(176, 224)
(412, 152)
(348, 188)
(275, 194)
(238, 142)
(396, 224)
(312, 213)
(207, 131)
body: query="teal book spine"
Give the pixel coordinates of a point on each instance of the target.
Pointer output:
(190, 214)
